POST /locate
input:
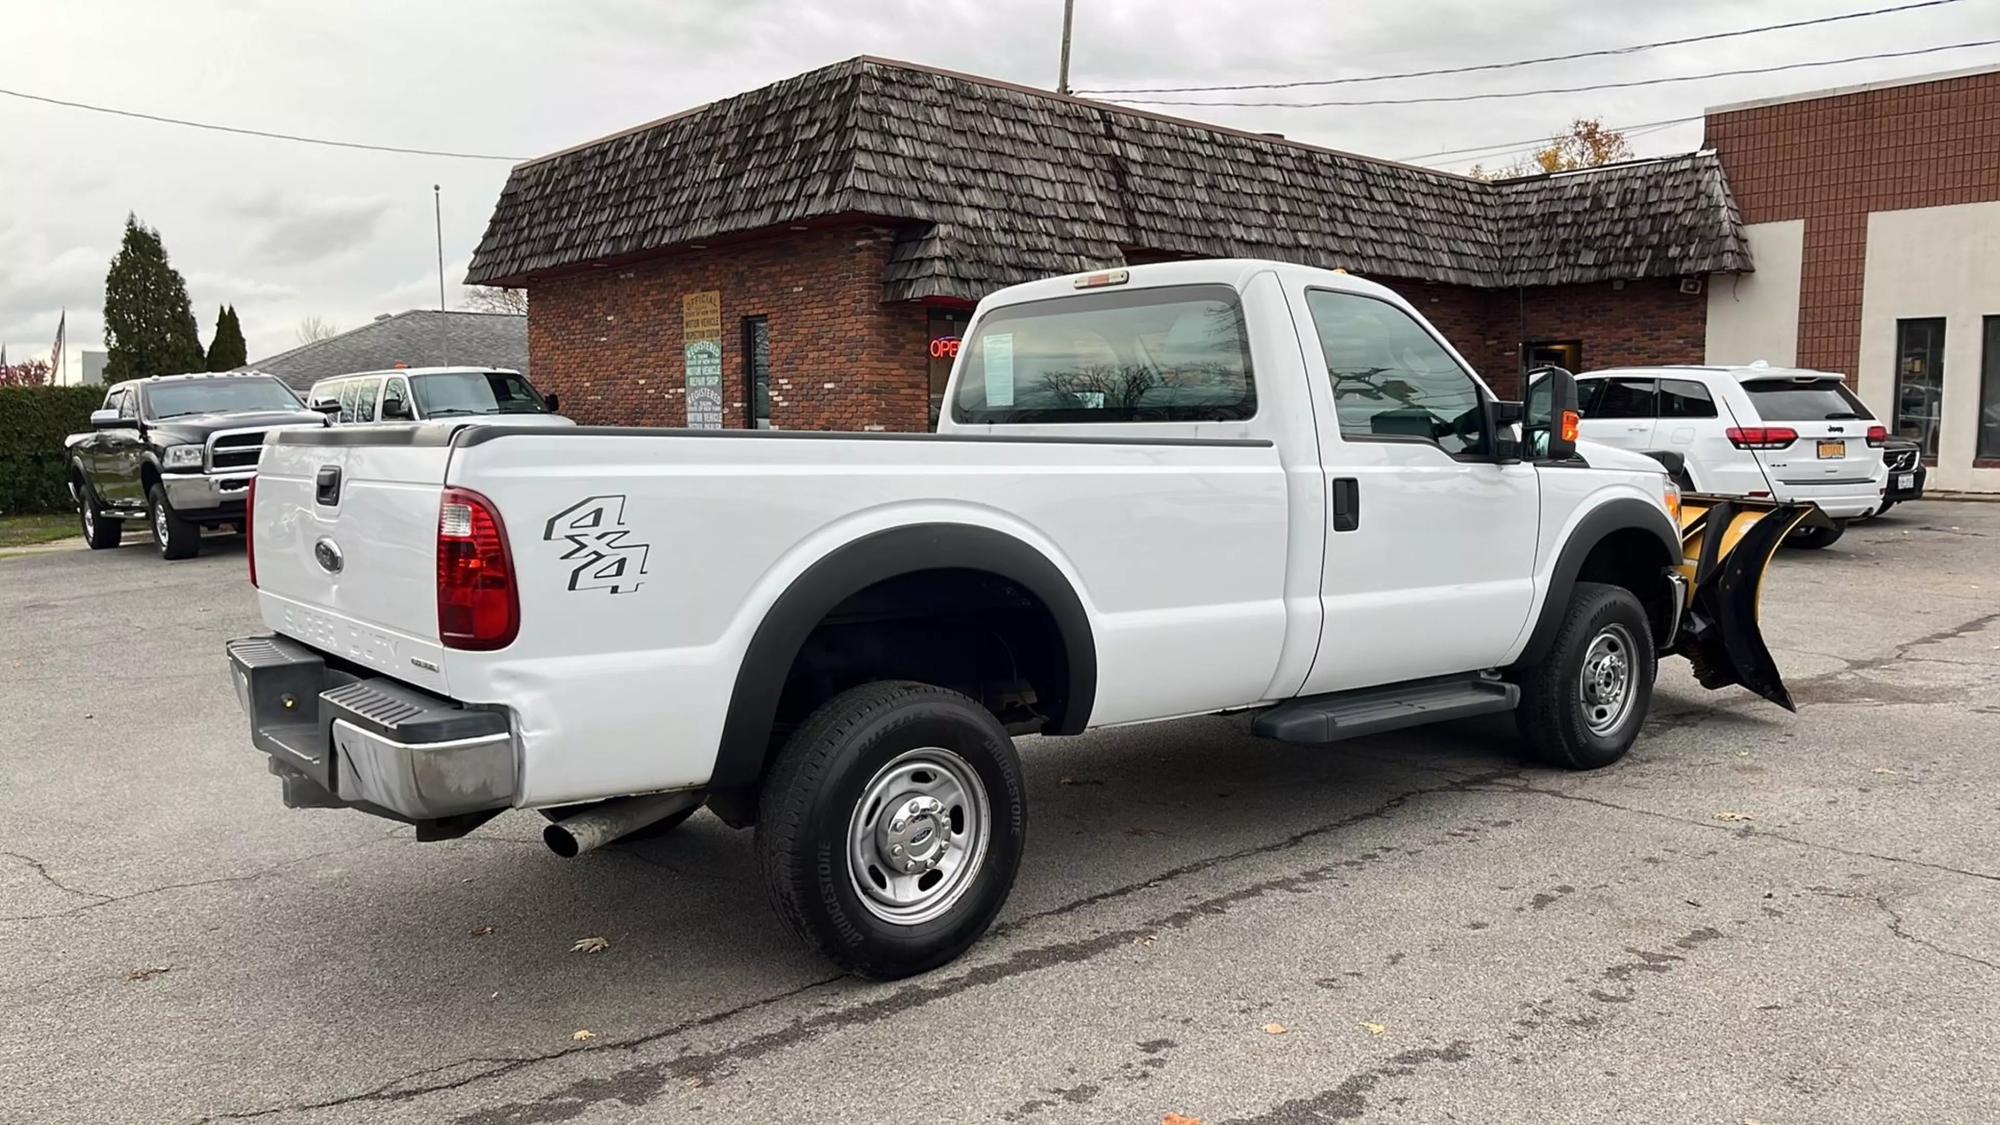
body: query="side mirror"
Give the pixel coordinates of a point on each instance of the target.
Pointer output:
(329, 407)
(1502, 416)
(552, 401)
(108, 419)
(395, 409)
(1549, 424)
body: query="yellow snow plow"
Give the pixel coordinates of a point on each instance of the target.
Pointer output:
(1726, 545)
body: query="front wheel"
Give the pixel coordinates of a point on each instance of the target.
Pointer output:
(177, 538)
(891, 825)
(1583, 704)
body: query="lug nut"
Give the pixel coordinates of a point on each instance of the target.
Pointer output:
(909, 865)
(898, 824)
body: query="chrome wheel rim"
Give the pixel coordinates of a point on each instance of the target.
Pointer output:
(83, 506)
(160, 525)
(1604, 686)
(917, 836)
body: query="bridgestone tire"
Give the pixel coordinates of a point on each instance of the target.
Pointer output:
(177, 538)
(1814, 538)
(814, 794)
(1555, 718)
(99, 530)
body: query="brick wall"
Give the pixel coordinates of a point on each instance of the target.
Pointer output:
(1832, 160)
(609, 340)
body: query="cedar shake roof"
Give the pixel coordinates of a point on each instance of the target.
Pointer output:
(992, 184)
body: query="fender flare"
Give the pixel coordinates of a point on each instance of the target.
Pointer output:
(1675, 462)
(1615, 515)
(746, 729)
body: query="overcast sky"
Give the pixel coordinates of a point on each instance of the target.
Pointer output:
(284, 231)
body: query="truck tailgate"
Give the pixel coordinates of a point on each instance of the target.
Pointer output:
(345, 534)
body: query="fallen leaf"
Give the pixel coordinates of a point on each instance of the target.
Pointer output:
(1275, 1029)
(147, 974)
(482, 931)
(1374, 1028)
(1144, 939)
(692, 1083)
(583, 1034)
(1179, 1119)
(590, 945)
(1725, 815)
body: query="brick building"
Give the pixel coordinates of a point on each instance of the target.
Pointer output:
(804, 255)
(1874, 215)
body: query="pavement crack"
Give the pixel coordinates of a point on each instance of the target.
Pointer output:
(42, 869)
(1896, 927)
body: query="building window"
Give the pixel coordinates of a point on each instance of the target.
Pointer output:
(1920, 381)
(1989, 393)
(757, 370)
(947, 327)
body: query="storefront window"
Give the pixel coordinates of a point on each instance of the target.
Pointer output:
(1989, 393)
(1920, 381)
(757, 370)
(946, 327)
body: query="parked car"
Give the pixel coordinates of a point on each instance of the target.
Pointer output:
(1905, 461)
(1753, 431)
(1176, 489)
(178, 451)
(420, 394)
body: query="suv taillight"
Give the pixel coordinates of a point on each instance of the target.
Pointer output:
(1762, 437)
(478, 606)
(249, 537)
(1877, 435)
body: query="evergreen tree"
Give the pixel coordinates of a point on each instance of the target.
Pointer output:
(227, 349)
(149, 326)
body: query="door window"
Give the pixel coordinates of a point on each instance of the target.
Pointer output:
(757, 370)
(396, 399)
(1989, 393)
(1624, 398)
(1920, 381)
(1391, 379)
(350, 395)
(364, 399)
(127, 403)
(1684, 398)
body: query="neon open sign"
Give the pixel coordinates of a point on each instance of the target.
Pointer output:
(944, 347)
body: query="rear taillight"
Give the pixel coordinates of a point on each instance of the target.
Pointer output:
(1762, 437)
(478, 606)
(250, 537)
(1877, 435)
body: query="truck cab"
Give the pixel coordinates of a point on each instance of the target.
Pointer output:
(1175, 489)
(419, 394)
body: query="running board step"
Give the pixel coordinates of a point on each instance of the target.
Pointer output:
(1353, 714)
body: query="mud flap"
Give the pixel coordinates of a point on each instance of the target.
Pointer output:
(1726, 546)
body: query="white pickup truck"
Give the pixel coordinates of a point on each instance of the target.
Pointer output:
(1171, 490)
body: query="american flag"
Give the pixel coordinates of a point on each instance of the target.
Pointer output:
(55, 353)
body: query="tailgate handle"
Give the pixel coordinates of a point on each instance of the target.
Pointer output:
(326, 486)
(1346, 503)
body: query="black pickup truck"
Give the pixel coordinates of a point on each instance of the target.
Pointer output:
(177, 451)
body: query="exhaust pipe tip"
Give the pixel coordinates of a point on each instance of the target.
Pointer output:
(560, 841)
(603, 822)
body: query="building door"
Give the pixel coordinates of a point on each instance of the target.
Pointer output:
(1920, 381)
(1566, 354)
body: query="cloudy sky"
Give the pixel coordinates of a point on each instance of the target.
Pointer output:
(285, 231)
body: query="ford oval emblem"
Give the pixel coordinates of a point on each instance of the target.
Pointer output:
(327, 553)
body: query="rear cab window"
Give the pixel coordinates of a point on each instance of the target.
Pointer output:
(1803, 400)
(1168, 354)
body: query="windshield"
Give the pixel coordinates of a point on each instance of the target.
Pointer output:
(227, 395)
(475, 392)
(1780, 400)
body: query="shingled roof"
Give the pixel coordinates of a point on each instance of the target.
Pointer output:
(992, 184)
(417, 338)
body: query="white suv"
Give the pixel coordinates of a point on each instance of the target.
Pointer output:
(1778, 433)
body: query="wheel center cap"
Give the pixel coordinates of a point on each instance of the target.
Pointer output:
(915, 835)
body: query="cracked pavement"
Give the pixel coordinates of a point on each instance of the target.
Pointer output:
(1757, 916)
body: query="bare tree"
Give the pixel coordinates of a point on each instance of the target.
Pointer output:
(313, 329)
(486, 298)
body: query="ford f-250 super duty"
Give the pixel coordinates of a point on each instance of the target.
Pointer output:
(1171, 490)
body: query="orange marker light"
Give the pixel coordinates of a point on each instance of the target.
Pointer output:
(1569, 428)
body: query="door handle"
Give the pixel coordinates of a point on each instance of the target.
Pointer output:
(1346, 503)
(326, 485)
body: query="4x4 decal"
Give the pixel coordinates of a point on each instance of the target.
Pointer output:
(597, 538)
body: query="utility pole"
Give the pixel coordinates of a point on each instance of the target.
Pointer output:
(444, 328)
(1062, 79)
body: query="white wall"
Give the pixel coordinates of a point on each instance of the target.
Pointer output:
(1753, 316)
(1932, 261)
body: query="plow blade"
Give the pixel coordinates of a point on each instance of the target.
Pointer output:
(1726, 545)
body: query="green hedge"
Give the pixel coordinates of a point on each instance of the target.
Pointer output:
(33, 423)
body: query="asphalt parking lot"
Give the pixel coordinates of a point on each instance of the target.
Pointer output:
(1758, 917)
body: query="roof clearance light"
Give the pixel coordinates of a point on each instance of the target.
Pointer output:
(1099, 280)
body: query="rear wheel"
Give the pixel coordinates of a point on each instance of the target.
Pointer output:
(891, 825)
(1813, 537)
(177, 538)
(99, 530)
(1583, 704)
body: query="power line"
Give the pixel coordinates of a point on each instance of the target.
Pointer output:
(1570, 89)
(1504, 147)
(1634, 48)
(256, 132)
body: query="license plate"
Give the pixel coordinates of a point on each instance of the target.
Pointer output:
(1906, 480)
(1830, 450)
